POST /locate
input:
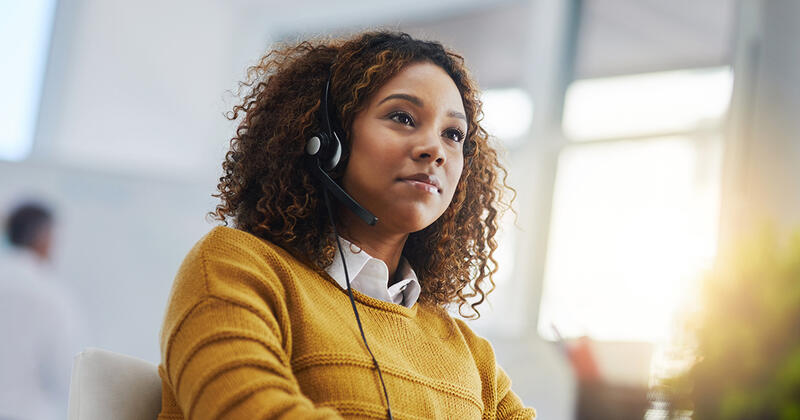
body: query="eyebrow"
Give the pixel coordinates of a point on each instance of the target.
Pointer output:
(418, 102)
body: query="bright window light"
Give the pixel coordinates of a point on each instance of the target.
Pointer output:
(633, 226)
(646, 104)
(25, 28)
(507, 114)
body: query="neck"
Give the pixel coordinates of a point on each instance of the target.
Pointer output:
(39, 255)
(374, 240)
(43, 255)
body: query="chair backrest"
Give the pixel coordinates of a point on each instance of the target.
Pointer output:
(107, 385)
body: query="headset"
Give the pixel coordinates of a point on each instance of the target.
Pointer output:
(325, 151)
(326, 147)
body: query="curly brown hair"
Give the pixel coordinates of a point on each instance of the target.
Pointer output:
(268, 190)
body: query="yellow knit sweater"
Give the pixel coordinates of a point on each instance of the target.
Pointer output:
(252, 333)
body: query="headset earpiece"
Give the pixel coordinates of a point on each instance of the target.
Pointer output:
(328, 151)
(325, 149)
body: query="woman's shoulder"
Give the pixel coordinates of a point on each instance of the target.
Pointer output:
(227, 246)
(226, 240)
(480, 346)
(226, 261)
(224, 244)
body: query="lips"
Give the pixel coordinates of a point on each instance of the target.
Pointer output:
(430, 180)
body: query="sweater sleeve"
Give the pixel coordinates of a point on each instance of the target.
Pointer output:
(226, 342)
(509, 405)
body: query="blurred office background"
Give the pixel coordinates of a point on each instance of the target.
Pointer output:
(642, 137)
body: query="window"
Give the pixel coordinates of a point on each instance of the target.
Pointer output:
(635, 206)
(508, 114)
(25, 28)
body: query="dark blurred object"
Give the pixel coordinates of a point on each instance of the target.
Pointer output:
(604, 401)
(748, 337)
(29, 227)
(617, 392)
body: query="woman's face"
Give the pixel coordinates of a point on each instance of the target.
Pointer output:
(406, 149)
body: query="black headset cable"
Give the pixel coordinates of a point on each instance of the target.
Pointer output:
(353, 303)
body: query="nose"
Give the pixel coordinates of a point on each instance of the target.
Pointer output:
(429, 148)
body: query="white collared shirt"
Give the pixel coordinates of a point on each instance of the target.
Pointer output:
(370, 276)
(42, 327)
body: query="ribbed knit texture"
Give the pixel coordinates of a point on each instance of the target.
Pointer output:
(252, 333)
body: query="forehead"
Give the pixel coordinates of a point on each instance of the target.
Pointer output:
(427, 81)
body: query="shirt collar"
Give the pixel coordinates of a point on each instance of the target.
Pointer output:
(370, 276)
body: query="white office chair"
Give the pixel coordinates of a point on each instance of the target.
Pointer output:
(107, 385)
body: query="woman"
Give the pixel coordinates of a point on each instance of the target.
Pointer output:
(310, 308)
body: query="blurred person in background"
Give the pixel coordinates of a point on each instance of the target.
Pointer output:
(313, 308)
(40, 325)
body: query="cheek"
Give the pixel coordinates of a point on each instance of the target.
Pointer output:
(455, 170)
(453, 178)
(375, 144)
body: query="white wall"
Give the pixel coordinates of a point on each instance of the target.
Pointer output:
(128, 146)
(138, 87)
(128, 143)
(118, 243)
(762, 162)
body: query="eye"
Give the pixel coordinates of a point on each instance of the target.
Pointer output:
(454, 134)
(402, 118)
